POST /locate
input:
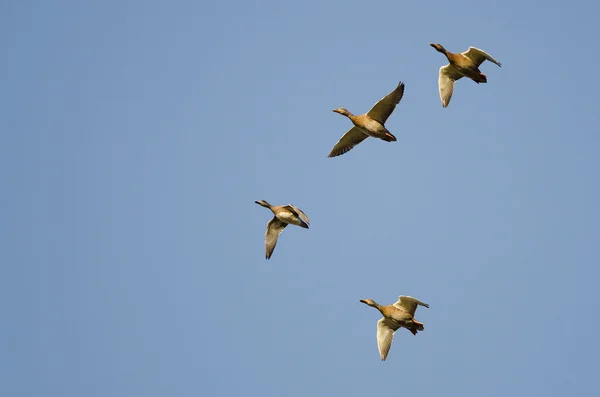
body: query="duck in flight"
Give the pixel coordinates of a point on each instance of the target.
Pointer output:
(461, 65)
(369, 124)
(284, 215)
(399, 315)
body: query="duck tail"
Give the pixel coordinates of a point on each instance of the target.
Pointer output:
(389, 137)
(416, 327)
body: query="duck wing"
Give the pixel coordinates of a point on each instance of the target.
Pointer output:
(298, 212)
(478, 56)
(353, 137)
(409, 304)
(385, 335)
(386, 105)
(448, 75)
(274, 229)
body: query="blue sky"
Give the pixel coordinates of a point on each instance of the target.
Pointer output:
(136, 136)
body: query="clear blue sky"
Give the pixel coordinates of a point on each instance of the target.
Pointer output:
(136, 136)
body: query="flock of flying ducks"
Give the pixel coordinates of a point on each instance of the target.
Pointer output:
(372, 124)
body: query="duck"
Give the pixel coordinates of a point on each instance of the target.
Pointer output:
(369, 124)
(284, 215)
(461, 65)
(398, 315)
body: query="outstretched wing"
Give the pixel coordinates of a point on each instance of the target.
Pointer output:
(448, 75)
(274, 228)
(353, 137)
(386, 105)
(409, 304)
(385, 335)
(478, 56)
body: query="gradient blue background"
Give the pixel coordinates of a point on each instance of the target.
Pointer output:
(136, 136)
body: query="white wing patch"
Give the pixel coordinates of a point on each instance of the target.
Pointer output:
(409, 304)
(448, 75)
(385, 335)
(478, 56)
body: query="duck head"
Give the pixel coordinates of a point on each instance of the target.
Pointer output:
(369, 302)
(438, 48)
(343, 111)
(263, 203)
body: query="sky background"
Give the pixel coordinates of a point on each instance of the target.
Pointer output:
(136, 135)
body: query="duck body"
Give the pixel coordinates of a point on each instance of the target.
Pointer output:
(466, 67)
(371, 127)
(290, 218)
(402, 318)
